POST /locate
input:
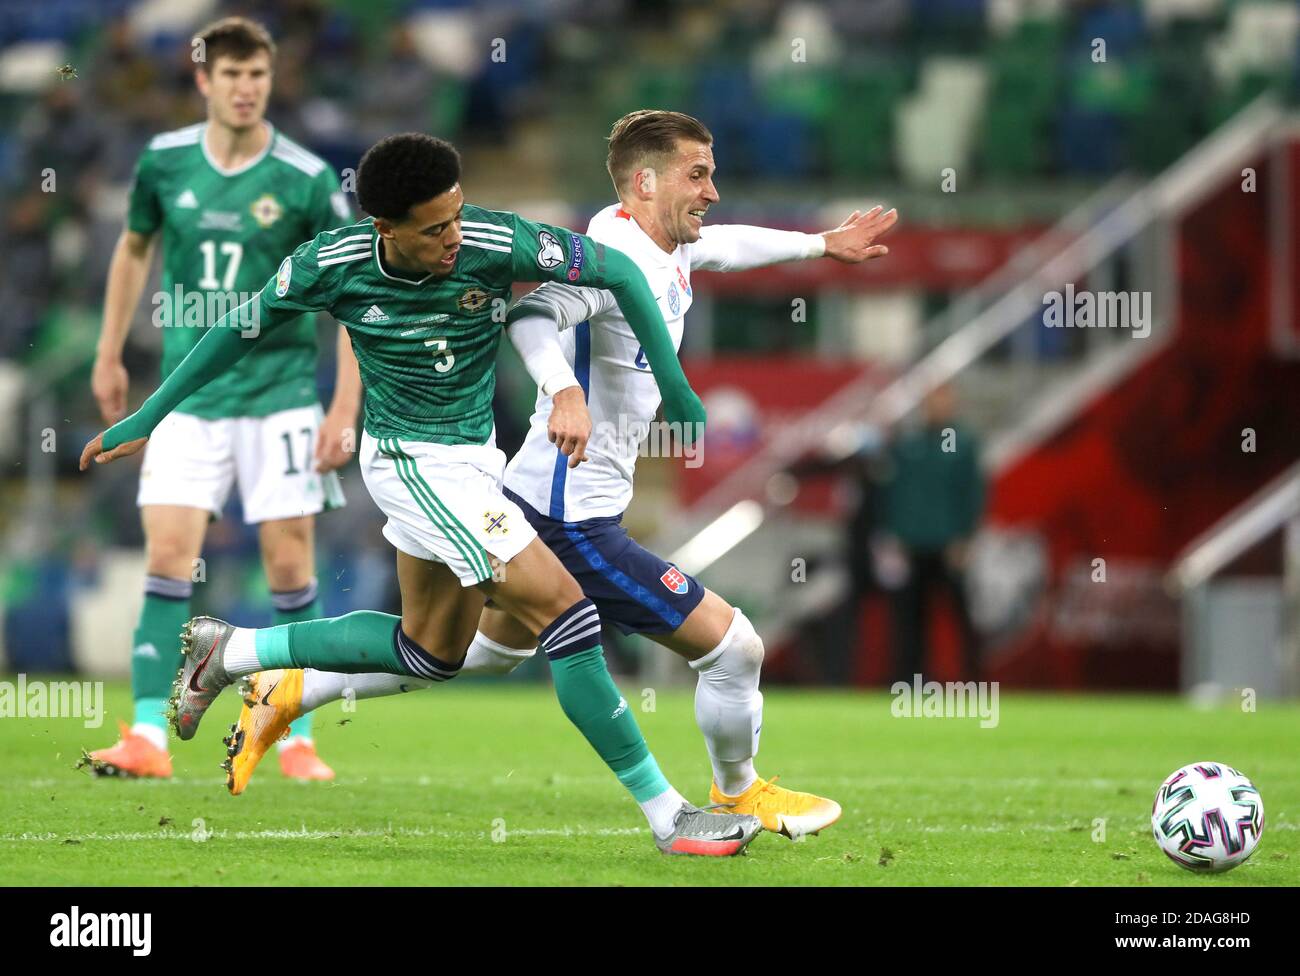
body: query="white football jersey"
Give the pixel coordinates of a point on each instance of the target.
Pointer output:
(622, 395)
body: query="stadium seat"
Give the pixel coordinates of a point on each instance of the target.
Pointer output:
(936, 126)
(1259, 37)
(1026, 85)
(1090, 142)
(36, 621)
(859, 136)
(1121, 27)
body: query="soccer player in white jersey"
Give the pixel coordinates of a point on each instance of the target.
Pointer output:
(662, 167)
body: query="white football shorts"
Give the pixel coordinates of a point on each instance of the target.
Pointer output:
(195, 462)
(444, 503)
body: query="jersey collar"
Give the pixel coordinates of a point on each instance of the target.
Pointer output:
(650, 249)
(379, 263)
(203, 144)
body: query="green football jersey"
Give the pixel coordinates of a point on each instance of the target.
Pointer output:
(427, 348)
(426, 345)
(223, 234)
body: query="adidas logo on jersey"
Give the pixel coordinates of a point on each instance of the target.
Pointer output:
(187, 200)
(374, 314)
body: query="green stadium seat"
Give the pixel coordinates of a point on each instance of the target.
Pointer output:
(860, 133)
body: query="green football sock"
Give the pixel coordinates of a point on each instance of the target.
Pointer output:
(592, 702)
(310, 610)
(155, 654)
(355, 643)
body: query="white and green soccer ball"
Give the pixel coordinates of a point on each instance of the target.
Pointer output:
(1207, 817)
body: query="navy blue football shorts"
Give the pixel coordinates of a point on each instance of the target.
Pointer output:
(633, 589)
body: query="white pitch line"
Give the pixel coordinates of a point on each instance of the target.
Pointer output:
(305, 834)
(550, 779)
(343, 833)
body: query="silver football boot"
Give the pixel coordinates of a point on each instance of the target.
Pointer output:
(203, 642)
(709, 834)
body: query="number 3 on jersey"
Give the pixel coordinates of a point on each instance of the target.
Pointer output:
(439, 348)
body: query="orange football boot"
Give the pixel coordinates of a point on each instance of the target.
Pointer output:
(132, 756)
(298, 760)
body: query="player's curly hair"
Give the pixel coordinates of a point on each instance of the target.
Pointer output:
(647, 136)
(400, 171)
(233, 37)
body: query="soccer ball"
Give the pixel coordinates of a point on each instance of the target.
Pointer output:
(1207, 817)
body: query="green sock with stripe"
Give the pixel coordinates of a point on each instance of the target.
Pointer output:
(593, 703)
(295, 606)
(355, 643)
(155, 654)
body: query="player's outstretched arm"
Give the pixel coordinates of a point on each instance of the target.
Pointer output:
(590, 264)
(740, 247)
(624, 279)
(227, 342)
(229, 339)
(854, 240)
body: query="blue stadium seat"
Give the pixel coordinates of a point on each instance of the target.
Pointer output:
(1090, 142)
(782, 146)
(1123, 29)
(36, 623)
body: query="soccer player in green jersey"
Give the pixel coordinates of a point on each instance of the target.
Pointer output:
(421, 288)
(228, 197)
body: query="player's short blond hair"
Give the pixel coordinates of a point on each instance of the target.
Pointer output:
(234, 37)
(646, 137)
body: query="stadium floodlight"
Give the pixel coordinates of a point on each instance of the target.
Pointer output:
(719, 537)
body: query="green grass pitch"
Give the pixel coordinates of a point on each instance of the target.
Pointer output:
(483, 783)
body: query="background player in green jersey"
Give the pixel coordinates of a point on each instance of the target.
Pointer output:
(228, 197)
(417, 288)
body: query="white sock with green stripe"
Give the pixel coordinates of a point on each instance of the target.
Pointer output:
(322, 687)
(485, 656)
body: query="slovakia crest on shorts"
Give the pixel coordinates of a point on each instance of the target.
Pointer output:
(675, 580)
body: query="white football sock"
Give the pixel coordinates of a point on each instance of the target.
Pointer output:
(661, 810)
(321, 687)
(486, 656)
(240, 656)
(292, 741)
(729, 706)
(155, 735)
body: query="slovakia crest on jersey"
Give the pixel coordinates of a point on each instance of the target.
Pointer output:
(674, 299)
(675, 580)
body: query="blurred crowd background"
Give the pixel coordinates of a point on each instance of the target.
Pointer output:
(985, 121)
